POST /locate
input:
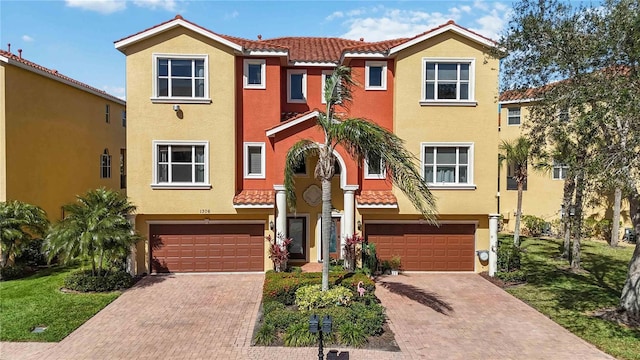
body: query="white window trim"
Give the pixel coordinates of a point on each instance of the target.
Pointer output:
(107, 113)
(563, 171)
(181, 99)
(470, 185)
(105, 164)
(263, 167)
(519, 116)
(369, 64)
(178, 185)
(263, 73)
(324, 82)
(381, 176)
(449, 102)
(304, 86)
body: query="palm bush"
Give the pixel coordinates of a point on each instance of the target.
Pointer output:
(20, 224)
(95, 229)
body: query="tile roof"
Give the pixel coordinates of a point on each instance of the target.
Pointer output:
(59, 76)
(451, 22)
(291, 117)
(255, 197)
(379, 46)
(376, 197)
(314, 49)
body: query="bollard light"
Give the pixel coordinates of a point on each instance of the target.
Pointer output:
(313, 324)
(326, 324)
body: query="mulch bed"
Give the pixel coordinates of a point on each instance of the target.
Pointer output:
(499, 283)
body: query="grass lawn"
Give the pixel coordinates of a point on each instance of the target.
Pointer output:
(37, 301)
(569, 298)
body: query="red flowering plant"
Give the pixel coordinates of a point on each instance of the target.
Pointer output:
(279, 251)
(351, 251)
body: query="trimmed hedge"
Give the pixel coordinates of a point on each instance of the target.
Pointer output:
(84, 281)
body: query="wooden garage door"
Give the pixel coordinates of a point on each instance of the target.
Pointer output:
(204, 248)
(425, 247)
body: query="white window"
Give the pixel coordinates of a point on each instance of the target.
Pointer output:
(375, 75)
(181, 77)
(254, 160)
(448, 164)
(105, 165)
(560, 171)
(107, 113)
(447, 81)
(296, 86)
(181, 164)
(374, 168)
(513, 116)
(255, 74)
(123, 115)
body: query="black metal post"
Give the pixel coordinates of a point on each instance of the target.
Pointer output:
(320, 349)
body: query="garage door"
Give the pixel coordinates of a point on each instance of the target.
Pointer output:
(425, 247)
(207, 248)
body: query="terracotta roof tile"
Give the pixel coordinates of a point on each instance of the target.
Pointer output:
(313, 49)
(380, 46)
(451, 22)
(255, 197)
(56, 74)
(287, 117)
(376, 197)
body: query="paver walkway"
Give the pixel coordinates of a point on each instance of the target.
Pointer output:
(212, 317)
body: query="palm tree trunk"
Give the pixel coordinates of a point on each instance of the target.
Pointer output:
(5, 255)
(516, 230)
(326, 231)
(630, 297)
(615, 222)
(577, 230)
(568, 190)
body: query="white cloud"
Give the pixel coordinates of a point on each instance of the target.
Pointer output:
(27, 38)
(381, 23)
(231, 15)
(169, 5)
(117, 91)
(101, 6)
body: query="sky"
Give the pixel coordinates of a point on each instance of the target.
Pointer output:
(76, 37)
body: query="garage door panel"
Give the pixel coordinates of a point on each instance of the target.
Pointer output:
(424, 247)
(207, 248)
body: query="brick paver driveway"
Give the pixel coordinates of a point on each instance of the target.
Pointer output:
(213, 316)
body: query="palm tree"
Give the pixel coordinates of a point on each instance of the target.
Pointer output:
(516, 153)
(361, 139)
(95, 228)
(19, 224)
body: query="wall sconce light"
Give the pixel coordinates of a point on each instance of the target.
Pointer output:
(483, 255)
(271, 225)
(176, 108)
(359, 225)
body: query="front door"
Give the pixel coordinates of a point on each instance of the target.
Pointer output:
(334, 241)
(297, 232)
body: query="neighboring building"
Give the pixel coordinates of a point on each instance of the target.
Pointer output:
(545, 187)
(211, 118)
(58, 137)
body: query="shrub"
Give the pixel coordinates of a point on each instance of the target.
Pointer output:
(298, 334)
(84, 281)
(311, 297)
(513, 276)
(281, 319)
(32, 255)
(351, 252)
(351, 334)
(13, 272)
(279, 251)
(600, 229)
(533, 225)
(370, 259)
(369, 317)
(266, 335)
(272, 306)
(508, 257)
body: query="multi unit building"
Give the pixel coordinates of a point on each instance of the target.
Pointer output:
(58, 137)
(211, 118)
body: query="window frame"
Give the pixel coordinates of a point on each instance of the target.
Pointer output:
(107, 113)
(247, 165)
(510, 183)
(263, 73)
(562, 171)
(304, 86)
(205, 185)
(448, 102)
(105, 164)
(155, 98)
(470, 184)
(510, 116)
(372, 176)
(367, 67)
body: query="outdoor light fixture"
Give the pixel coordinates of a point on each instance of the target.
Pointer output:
(176, 108)
(359, 224)
(271, 225)
(483, 255)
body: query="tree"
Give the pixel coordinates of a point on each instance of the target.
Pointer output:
(361, 139)
(95, 228)
(19, 224)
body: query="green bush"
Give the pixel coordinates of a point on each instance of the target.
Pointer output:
(84, 281)
(13, 272)
(283, 318)
(599, 229)
(513, 276)
(272, 306)
(508, 257)
(533, 225)
(32, 254)
(350, 334)
(298, 334)
(311, 297)
(369, 317)
(266, 335)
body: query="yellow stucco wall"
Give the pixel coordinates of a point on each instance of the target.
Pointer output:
(55, 134)
(3, 142)
(214, 122)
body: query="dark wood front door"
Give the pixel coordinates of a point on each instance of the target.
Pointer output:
(297, 232)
